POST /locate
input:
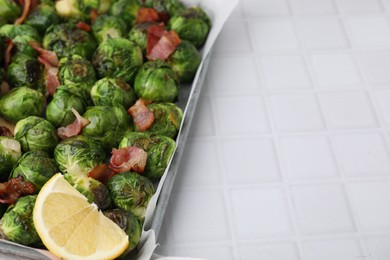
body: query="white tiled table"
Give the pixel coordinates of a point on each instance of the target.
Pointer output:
(289, 154)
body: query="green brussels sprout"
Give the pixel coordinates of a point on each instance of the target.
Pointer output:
(191, 24)
(92, 189)
(36, 133)
(131, 192)
(169, 6)
(17, 223)
(20, 103)
(78, 155)
(108, 26)
(117, 57)
(36, 167)
(59, 110)
(185, 61)
(80, 9)
(138, 34)
(126, 9)
(10, 152)
(106, 124)
(42, 17)
(167, 119)
(9, 10)
(21, 36)
(156, 81)
(159, 149)
(113, 92)
(128, 223)
(65, 40)
(25, 70)
(76, 69)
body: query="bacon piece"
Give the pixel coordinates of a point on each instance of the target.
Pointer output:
(74, 128)
(165, 46)
(45, 56)
(26, 9)
(4, 131)
(93, 15)
(127, 159)
(101, 173)
(147, 15)
(83, 26)
(8, 52)
(14, 188)
(155, 32)
(143, 118)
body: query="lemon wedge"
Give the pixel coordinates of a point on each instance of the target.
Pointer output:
(72, 228)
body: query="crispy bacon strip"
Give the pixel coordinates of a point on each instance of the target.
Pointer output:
(147, 15)
(143, 118)
(26, 9)
(74, 128)
(8, 52)
(14, 188)
(83, 26)
(127, 159)
(155, 32)
(93, 15)
(4, 131)
(45, 55)
(165, 46)
(101, 173)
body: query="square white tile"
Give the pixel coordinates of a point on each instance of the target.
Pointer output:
(296, 112)
(234, 38)
(313, 7)
(240, 115)
(249, 161)
(323, 33)
(272, 35)
(360, 6)
(266, 207)
(375, 66)
(349, 110)
(274, 251)
(369, 31)
(338, 69)
(334, 249)
(372, 203)
(265, 8)
(322, 209)
(308, 158)
(382, 98)
(285, 72)
(209, 252)
(362, 155)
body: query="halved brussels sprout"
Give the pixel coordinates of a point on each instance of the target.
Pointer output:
(59, 110)
(25, 70)
(106, 124)
(118, 58)
(42, 17)
(156, 81)
(21, 36)
(36, 133)
(126, 9)
(138, 34)
(66, 40)
(159, 149)
(191, 24)
(185, 61)
(131, 192)
(113, 92)
(20, 103)
(108, 26)
(10, 152)
(17, 223)
(9, 10)
(36, 167)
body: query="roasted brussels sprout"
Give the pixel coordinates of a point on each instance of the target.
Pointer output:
(25, 70)
(17, 223)
(10, 152)
(191, 24)
(106, 124)
(169, 6)
(138, 34)
(108, 26)
(20, 103)
(129, 223)
(36, 133)
(131, 192)
(21, 36)
(159, 149)
(76, 69)
(167, 119)
(113, 92)
(9, 10)
(156, 81)
(59, 110)
(42, 17)
(126, 9)
(36, 167)
(185, 61)
(78, 155)
(66, 40)
(117, 57)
